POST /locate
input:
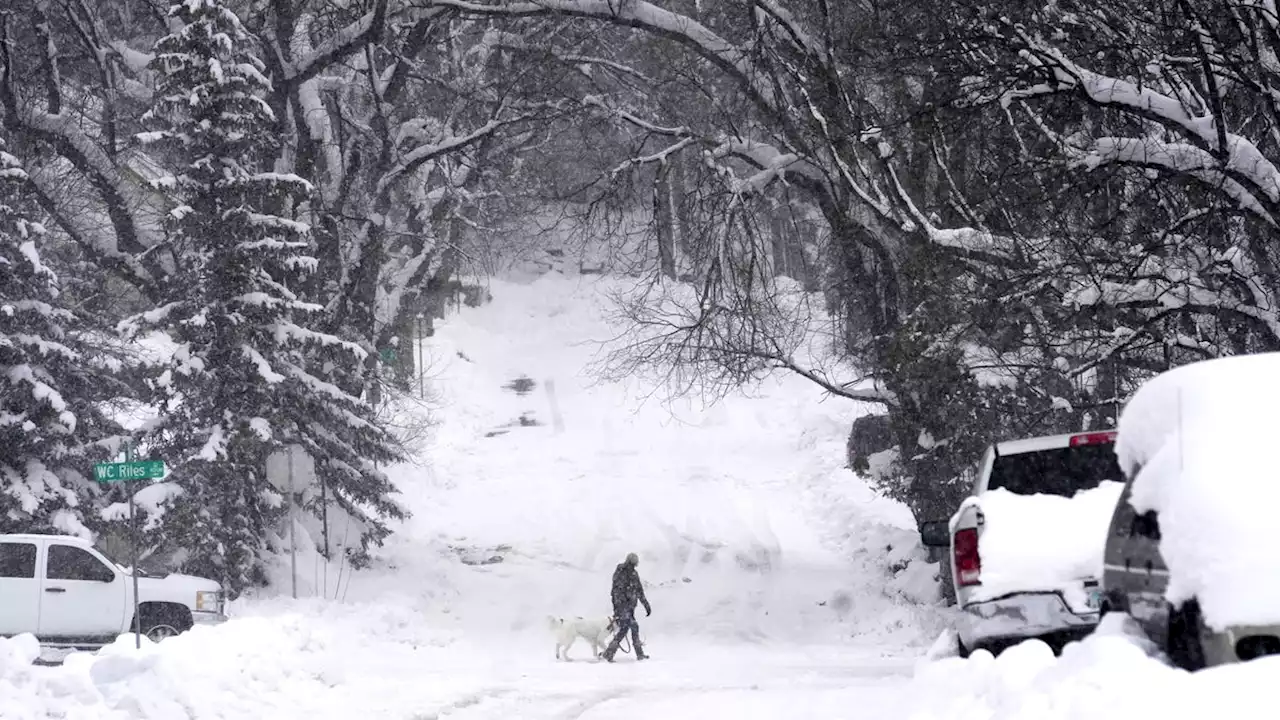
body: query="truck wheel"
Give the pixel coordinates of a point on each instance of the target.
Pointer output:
(1186, 650)
(164, 621)
(156, 633)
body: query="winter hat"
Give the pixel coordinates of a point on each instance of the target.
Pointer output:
(633, 559)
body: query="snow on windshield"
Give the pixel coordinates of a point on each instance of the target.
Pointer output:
(1201, 440)
(1044, 542)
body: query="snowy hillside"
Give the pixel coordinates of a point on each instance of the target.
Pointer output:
(745, 523)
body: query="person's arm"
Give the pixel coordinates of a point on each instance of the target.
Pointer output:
(643, 600)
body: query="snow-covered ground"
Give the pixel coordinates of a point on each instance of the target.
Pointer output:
(782, 587)
(1111, 675)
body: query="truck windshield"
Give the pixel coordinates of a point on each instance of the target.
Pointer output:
(121, 559)
(1062, 471)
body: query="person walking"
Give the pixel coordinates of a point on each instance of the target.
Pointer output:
(627, 591)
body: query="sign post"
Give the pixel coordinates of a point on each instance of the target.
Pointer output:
(125, 472)
(291, 469)
(133, 540)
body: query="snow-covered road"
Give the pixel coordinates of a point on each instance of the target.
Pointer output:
(740, 683)
(686, 682)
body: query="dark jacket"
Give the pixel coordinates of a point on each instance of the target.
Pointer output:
(627, 590)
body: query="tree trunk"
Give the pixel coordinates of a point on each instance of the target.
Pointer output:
(665, 220)
(778, 233)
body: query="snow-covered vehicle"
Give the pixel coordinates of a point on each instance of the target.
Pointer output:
(68, 593)
(1026, 546)
(1190, 553)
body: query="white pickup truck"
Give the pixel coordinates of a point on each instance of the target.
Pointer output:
(69, 594)
(1026, 546)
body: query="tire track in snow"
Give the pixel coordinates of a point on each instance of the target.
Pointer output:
(865, 687)
(464, 703)
(586, 705)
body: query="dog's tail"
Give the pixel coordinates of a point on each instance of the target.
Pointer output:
(554, 622)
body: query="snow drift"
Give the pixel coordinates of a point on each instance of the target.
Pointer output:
(1112, 675)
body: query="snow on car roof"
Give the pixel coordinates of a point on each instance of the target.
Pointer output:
(45, 536)
(1201, 440)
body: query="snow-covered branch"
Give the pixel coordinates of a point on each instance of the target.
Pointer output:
(632, 118)
(341, 44)
(120, 198)
(428, 152)
(660, 156)
(728, 56)
(1209, 151)
(795, 31)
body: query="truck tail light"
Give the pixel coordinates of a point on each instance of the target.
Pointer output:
(968, 562)
(1097, 438)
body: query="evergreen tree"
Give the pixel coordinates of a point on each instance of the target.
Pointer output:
(49, 417)
(251, 372)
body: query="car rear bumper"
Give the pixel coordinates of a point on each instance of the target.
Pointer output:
(207, 618)
(1241, 643)
(1020, 616)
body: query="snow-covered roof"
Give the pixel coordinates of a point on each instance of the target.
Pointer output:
(71, 539)
(1201, 441)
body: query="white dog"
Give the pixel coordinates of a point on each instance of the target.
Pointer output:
(567, 632)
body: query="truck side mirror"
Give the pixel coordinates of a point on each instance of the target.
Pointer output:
(935, 533)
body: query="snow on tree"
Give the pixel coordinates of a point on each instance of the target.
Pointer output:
(48, 418)
(251, 371)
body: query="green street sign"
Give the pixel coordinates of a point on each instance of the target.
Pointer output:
(126, 471)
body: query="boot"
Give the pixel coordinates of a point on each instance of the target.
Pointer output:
(639, 651)
(612, 650)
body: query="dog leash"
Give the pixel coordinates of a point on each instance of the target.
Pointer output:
(626, 640)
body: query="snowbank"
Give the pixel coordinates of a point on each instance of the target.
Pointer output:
(1044, 542)
(1202, 440)
(1111, 675)
(314, 660)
